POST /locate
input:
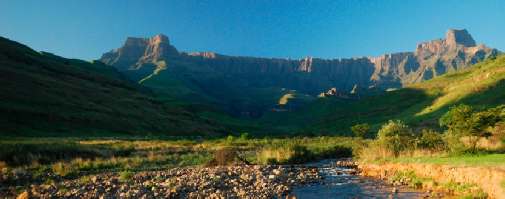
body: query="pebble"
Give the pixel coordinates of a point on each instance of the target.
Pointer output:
(243, 181)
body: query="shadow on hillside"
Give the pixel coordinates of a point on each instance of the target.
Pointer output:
(490, 97)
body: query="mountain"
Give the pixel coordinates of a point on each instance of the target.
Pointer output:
(249, 86)
(434, 58)
(43, 94)
(153, 89)
(420, 104)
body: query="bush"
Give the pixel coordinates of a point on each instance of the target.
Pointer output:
(125, 176)
(230, 138)
(63, 169)
(290, 154)
(244, 136)
(431, 140)
(462, 121)
(225, 156)
(360, 130)
(395, 137)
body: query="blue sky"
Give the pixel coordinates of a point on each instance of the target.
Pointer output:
(266, 28)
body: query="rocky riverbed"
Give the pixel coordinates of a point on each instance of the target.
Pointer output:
(246, 181)
(342, 179)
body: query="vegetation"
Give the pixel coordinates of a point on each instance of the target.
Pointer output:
(419, 105)
(74, 157)
(470, 137)
(464, 190)
(46, 95)
(395, 137)
(430, 140)
(360, 130)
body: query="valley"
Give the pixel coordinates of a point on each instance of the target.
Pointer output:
(68, 123)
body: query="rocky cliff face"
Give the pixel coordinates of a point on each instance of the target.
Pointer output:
(137, 52)
(154, 60)
(456, 51)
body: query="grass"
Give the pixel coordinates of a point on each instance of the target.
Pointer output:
(46, 95)
(462, 190)
(494, 160)
(74, 157)
(419, 105)
(125, 176)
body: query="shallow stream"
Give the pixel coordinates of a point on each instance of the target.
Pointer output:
(339, 182)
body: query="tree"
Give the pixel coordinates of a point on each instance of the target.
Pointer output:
(462, 121)
(360, 130)
(395, 136)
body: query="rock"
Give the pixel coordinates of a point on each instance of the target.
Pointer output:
(213, 182)
(277, 172)
(459, 37)
(24, 195)
(143, 57)
(394, 190)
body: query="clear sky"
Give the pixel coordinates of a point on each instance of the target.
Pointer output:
(267, 28)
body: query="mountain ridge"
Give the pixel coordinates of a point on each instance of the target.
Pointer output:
(430, 59)
(157, 64)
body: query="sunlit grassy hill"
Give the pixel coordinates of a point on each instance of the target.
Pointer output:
(421, 104)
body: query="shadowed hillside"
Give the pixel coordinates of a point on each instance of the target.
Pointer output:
(248, 87)
(43, 94)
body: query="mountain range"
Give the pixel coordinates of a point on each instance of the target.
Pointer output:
(148, 87)
(249, 86)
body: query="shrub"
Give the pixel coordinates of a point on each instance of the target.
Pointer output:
(230, 138)
(288, 154)
(225, 156)
(125, 176)
(360, 130)
(431, 140)
(395, 137)
(462, 121)
(244, 136)
(63, 169)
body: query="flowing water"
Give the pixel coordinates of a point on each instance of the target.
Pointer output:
(339, 182)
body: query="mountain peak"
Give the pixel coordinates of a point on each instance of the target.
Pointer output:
(454, 37)
(159, 38)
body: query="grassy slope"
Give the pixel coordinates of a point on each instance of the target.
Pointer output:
(482, 86)
(43, 94)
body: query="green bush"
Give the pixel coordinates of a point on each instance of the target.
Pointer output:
(244, 136)
(125, 176)
(395, 137)
(431, 140)
(360, 130)
(230, 138)
(462, 121)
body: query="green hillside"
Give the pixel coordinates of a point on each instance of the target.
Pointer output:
(43, 94)
(421, 104)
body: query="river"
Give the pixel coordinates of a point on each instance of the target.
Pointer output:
(339, 182)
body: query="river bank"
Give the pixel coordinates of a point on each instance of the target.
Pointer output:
(471, 181)
(328, 179)
(244, 181)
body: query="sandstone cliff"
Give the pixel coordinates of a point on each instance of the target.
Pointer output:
(456, 51)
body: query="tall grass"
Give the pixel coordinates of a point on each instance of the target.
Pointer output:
(69, 157)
